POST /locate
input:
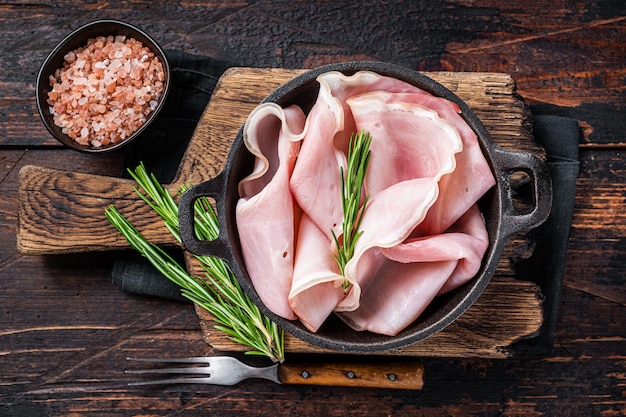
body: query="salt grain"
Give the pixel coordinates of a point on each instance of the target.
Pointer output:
(116, 63)
(105, 90)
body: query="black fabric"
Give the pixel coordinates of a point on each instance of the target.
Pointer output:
(559, 136)
(163, 144)
(134, 274)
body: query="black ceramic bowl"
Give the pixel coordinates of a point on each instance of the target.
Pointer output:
(75, 40)
(502, 219)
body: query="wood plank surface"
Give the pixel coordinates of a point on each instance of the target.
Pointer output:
(65, 330)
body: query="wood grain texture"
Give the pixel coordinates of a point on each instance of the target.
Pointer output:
(65, 331)
(386, 374)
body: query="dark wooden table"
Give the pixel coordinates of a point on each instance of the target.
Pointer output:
(65, 330)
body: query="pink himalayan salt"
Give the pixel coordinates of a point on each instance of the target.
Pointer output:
(105, 90)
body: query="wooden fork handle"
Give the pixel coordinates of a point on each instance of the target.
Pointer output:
(398, 375)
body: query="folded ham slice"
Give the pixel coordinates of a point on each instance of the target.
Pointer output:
(315, 182)
(317, 284)
(466, 241)
(410, 140)
(402, 206)
(266, 213)
(397, 295)
(410, 275)
(471, 178)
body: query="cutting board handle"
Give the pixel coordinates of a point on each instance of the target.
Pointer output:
(63, 212)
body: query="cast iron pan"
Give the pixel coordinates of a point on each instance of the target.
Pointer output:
(502, 220)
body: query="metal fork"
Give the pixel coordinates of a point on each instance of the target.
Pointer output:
(226, 370)
(219, 370)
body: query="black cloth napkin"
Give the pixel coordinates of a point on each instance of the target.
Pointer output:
(559, 136)
(161, 148)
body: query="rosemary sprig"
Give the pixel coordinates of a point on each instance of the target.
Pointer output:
(219, 293)
(351, 188)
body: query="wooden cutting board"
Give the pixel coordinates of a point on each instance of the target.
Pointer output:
(63, 211)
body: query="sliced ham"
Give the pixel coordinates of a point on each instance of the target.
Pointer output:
(412, 148)
(423, 234)
(402, 206)
(266, 213)
(397, 295)
(471, 177)
(410, 140)
(410, 275)
(342, 87)
(315, 182)
(317, 284)
(466, 241)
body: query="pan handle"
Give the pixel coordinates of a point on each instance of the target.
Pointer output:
(186, 218)
(510, 162)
